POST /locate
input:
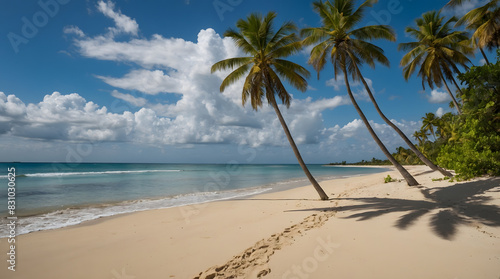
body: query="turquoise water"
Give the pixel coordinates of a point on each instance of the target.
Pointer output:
(52, 195)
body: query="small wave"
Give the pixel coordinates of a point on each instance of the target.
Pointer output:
(60, 174)
(73, 216)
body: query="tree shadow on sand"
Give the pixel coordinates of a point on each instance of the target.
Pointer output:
(455, 205)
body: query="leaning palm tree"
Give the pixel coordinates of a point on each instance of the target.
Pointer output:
(265, 67)
(410, 144)
(484, 21)
(348, 48)
(438, 52)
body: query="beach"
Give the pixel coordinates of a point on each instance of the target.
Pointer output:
(368, 229)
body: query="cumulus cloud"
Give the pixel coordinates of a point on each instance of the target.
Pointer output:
(71, 118)
(62, 117)
(353, 138)
(438, 97)
(201, 114)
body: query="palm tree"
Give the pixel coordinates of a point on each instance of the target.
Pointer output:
(402, 155)
(429, 122)
(485, 22)
(412, 147)
(437, 52)
(420, 136)
(347, 47)
(265, 67)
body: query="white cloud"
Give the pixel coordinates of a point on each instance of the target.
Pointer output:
(71, 118)
(336, 83)
(354, 139)
(63, 117)
(202, 114)
(466, 6)
(306, 51)
(360, 92)
(352, 128)
(124, 24)
(73, 30)
(440, 112)
(136, 101)
(438, 97)
(149, 82)
(357, 87)
(329, 103)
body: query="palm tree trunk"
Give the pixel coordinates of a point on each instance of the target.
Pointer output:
(400, 133)
(484, 55)
(406, 175)
(313, 181)
(451, 95)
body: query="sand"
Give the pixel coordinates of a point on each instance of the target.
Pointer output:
(368, 229)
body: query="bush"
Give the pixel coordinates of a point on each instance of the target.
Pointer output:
(388, 179)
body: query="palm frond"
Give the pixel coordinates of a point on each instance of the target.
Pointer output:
(230, 63)
(293, 73)
(234, 76)
(265, 65)
(240, 41)
(276, 87)
(374, 32)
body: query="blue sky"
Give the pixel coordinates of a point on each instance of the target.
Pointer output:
(129, 81)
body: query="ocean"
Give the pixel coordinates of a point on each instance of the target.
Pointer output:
(56, 195)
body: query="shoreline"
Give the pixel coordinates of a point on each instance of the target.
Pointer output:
(78, 214)
(181, 242)
(371, 166)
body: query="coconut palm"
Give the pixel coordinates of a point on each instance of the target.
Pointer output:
(412, 147)
(347, 48)
(438, 52)
(429, 122)
(420, 136)
(264, 68)
(484, 21)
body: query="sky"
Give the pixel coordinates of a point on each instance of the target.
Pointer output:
(130, 81)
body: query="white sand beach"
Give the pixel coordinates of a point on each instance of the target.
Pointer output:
(369, 229)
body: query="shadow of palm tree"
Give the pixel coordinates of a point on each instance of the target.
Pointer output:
(457, 204)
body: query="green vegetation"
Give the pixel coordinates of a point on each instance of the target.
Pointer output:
(438, 52)
(441, 179)
(373, 162)
(468, 143)
(389, 179)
